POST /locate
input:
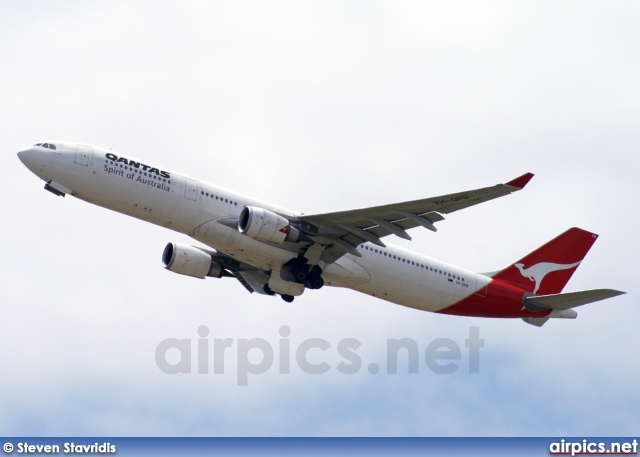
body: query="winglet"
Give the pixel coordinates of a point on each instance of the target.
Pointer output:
(521, 181)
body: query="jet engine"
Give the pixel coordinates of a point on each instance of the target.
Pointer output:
(265, 225)
(190, 261)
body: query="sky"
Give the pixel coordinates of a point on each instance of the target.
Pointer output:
(319, 106)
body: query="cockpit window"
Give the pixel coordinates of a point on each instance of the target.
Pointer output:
(46, 145)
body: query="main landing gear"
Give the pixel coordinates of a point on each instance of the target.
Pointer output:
(300, 272)
(303, 273)
(287, 298)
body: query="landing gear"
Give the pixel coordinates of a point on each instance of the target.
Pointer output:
(317, 283)
(292, 278)
(268, 291)
(303, 273)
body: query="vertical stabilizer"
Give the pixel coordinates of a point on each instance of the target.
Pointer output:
(547, 270)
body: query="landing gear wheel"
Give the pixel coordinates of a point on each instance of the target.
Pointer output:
(317, 283)
(287, 298)
(267, 290)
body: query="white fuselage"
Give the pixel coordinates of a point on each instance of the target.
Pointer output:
(194, 207)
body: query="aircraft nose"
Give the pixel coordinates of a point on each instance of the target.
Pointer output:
(23, 155)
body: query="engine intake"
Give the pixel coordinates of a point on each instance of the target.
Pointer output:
(265, 225)
(190, 261)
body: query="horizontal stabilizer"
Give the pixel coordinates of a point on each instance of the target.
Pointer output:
(537, 321)
(571, 299)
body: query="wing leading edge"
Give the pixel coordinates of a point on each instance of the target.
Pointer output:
(340, 232)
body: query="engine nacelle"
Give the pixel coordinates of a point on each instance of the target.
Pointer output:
(265, 225)
(190, 261)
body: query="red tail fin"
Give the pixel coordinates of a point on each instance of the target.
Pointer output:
(548, 269)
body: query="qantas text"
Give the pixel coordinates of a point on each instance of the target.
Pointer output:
(138, 165)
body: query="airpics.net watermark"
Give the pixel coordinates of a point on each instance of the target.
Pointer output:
(256, 356)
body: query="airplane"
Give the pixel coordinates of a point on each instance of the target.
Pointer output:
(276, 251)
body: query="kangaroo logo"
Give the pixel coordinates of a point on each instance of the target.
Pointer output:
(538, 271)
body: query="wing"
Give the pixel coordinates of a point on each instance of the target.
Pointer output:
(252, 278)
(335, 234)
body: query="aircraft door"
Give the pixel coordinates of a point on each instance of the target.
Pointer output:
(82, 154)
(482, 284)
(190, 189)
